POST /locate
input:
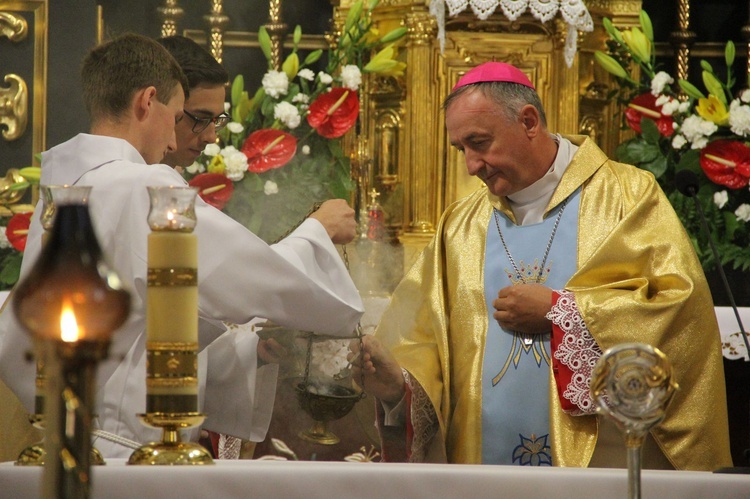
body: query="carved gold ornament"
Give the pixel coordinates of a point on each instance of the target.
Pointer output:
(14, 107)
(14, 27)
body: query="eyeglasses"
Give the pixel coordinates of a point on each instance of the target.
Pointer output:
(200, 124)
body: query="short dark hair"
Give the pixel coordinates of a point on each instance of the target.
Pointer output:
(115, 70)
(197, 63)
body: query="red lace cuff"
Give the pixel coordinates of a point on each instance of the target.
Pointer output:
(574, 354)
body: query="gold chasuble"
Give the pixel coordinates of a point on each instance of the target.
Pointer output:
(637, 280)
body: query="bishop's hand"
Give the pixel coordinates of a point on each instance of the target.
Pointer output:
(523, 307)
(383, 377)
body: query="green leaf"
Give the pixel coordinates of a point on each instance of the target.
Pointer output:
(658, 166)
(635, 152)
(713, 85)
(690, 89)
(238, 86)
(690, 160)
(650, 131)
(313, 57)
(646, 25)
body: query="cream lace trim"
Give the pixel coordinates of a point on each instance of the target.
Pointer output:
(424, 420)
(574, 12)
(577, 350)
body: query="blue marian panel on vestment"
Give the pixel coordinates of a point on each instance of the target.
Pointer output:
(516, 368)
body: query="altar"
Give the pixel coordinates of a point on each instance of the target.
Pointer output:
(230, 479)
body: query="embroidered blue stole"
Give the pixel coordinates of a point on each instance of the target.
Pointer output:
(515, 375)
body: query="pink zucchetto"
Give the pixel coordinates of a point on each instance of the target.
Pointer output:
(493, 71)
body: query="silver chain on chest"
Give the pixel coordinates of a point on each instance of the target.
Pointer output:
(546, 251)
(528, 339)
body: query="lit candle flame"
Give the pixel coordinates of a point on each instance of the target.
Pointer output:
(68, 324)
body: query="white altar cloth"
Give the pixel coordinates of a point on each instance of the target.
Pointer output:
(310, 479)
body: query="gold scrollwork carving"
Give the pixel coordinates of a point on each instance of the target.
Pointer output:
(14, 107)
(14, 27)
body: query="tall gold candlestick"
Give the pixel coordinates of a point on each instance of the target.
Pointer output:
(172, 328)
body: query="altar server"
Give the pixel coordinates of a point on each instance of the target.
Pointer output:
(486, 352)
(134, 92)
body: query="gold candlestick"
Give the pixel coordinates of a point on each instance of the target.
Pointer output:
(172, 329)
(71, 302)
(217, 20)
(277, 30)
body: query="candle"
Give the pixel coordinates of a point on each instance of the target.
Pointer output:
(172, 302)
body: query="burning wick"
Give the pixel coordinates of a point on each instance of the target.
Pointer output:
(68, 324)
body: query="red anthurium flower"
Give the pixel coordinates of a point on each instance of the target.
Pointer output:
(727, 163)
(645, 105)
(268, 148)
(334, 113)
(18, 229)
(214, 188)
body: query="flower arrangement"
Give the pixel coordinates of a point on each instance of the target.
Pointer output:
(282, 152)
(15, 219)
(706, 133)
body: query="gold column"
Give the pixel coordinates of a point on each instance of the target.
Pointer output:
(169, 13)
(217, 21)
(276, 29)
(682, 40)
(423, 169)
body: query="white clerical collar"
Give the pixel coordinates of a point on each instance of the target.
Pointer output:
(528, 204)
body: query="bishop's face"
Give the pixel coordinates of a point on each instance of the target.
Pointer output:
(496, 149)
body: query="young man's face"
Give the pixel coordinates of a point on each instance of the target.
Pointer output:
(161, 140)
(204, 102)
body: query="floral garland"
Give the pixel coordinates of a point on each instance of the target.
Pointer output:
(282, 153)
(708, 134)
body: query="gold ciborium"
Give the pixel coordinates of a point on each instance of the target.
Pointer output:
(326, 392)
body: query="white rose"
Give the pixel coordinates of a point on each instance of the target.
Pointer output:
(699, 143)
(4, 243)
(196, 168)
(270, 188)
(351, 77)
(745, 96)
(684, 107)
(325, 78)
(235, 165)
(739, 118)
(227, 106)
(306, 150)
(212, 150)
(306, 74)
(678, 141)
(743, 212)
(235, 127)
(661, 80)
(721, 199)
(288, 114)
(275, 83)
(300, 97)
